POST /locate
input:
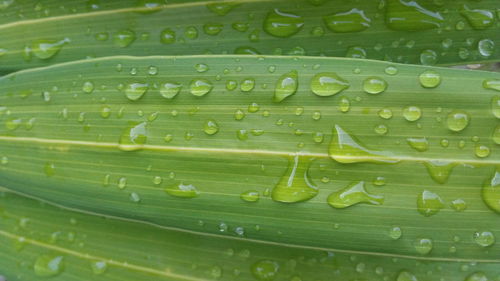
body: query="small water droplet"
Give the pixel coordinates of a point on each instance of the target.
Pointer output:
(430, 79)
(211, 127)
(403, 15)
(457, 120)
(477, 276)
(247, 85)
(200, 87)
(478, 18)
(458, 205)
(423, 246)
(374, 85)
(391, 70)
(212, 29)
(439, 170)
(385, 113)
(482, 151)
(484, 238)
(170, 89)
(265, 270)
(486, 47)
(49, 265)
(124, 38)
(98, 267)
(136, 90)
(286, 86)
(167, 36)
(250, 196)
(406, 276)
(354, 20)
(134, 197)
(419, 144)
(429, 203)
(344, 105)
(133, 137)
(182, 190)
(45, 49)
(493, 84)
(49, 169)
(253, 107)
(88, 87)
(395, 232)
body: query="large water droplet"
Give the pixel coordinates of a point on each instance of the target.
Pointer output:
(491, 192)
(351, 21)
(439, 170)
(374, 85)
(282, 24)
(328, 84)
(344, 148)
(457, 120)
(133, 137)
(477, 18)
(182, 190)
(265, 270)
(429, 203)
(200, 87)
(286, 86)
(49, 265)
(135, 91)
(45, 48)
(124, 38)
(407, 15)
(353, 194)
(295, 185)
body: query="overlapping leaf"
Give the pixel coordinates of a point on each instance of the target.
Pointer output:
(203, 143)
(448, 32)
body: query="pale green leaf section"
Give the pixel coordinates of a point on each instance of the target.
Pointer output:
(61, 128)
(98, 248)
(421, 32)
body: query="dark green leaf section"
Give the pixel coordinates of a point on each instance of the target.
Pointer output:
(377, 158)
(88, 247)
(419, 32)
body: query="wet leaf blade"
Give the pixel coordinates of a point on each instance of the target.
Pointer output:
(77, 30)
(142, 157)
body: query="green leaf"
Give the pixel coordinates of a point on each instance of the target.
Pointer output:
(451, 32)
(390, 147)
(89, 247)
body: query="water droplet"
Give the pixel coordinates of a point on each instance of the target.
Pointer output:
(134, 197)
(282, 24)
(381, 129)
(486, 47)
(191, 32)
(239, 114)
(429, 203)
(403, 15)
(98, 267)
(45, 49)
(170, 89)
(395, 233)
(105, 111)
(124, 38)
(122, 182)
(240, 26)
(493, 84)
(458, 205)
(135, 91)
(253, 107)
(477, 276)
(406, 276)
(423, 246)
(295, 185)
(419, 144)
(246, 50)
(379, 181)
(457, 120)
(316, 115)
(242, 134)
(430, 79)
(212, 29)
(484, 238)
(344, 105)
(167, 36)
(211, 127)
(385, 113)
(247, 85)
(491, 192)
(265, 270)
(201, 67)
(318, 137)
(49, 169)
(391, 70)
(482, 151)
(134, 136)
(351, 21)
(49, 265)
(286, 86)
(250, 196)
(13, 123)
(344, 148)
(478, 19)
(428, 57)
(200, 87)
(356, 52)
(439, 170)
(353, 194)
(182, 190)
(88, 87)
(222, 8)
(374, 85)
(328, 84)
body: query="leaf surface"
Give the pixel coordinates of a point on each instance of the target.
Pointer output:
(339, 171)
